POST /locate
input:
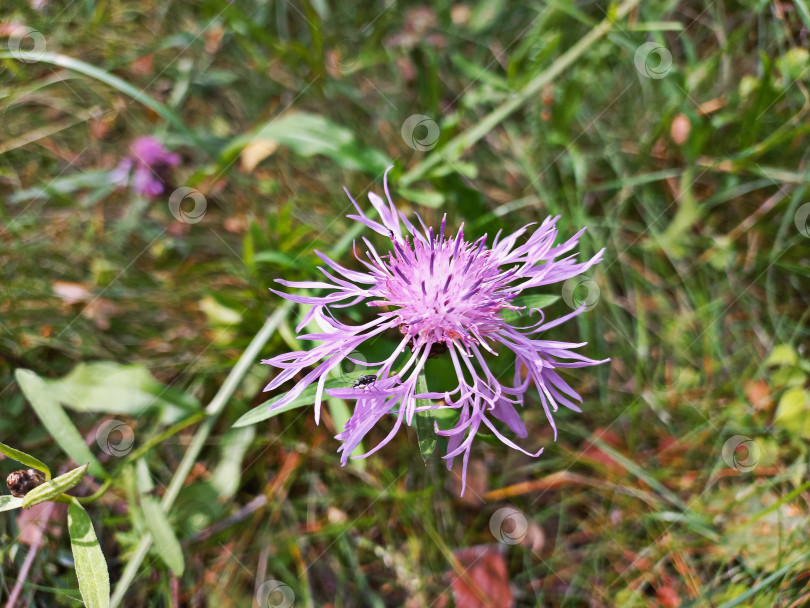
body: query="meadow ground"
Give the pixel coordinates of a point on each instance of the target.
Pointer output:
(676, 131)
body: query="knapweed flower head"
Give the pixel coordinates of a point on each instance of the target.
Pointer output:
(151, 161)
(447, 296)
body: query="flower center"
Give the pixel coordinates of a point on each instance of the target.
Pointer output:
(446, 290)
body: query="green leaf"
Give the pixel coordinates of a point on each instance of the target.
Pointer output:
(228, 473)
(55, 487)
(7, 503)
(782, 354)
(91, 567)
(309, 134)
(791, 414)
(112, 388)
(434, 200)
(122, 85)
(55, 420)
(166, 544)
(307, 397)
(425, 429)
(25, 459)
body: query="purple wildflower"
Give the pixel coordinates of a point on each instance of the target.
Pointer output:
(151, 161)
(445, 294)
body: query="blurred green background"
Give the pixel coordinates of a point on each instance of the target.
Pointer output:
(676, 131)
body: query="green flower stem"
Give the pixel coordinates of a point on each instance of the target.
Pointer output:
(213, 410)
(456, 146)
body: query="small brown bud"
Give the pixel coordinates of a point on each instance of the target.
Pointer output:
(22, 482)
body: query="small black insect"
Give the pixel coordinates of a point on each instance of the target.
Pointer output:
(366, 380)
(22, 482)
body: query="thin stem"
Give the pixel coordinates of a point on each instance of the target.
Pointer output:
(456, 146)
(213, 410)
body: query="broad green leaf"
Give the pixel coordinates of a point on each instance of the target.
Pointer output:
(425, 429)
(307, 397)
(91, 567)
(434, 200)
(55, 420)
(25, 459)
(55, 487)
(782, 354)
(166, 544)
(792, 412)
(109, 387)
(309, 134)
(228, 473)
(7, 503)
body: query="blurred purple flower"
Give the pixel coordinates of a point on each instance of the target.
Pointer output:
(151, 161)
(446, 295)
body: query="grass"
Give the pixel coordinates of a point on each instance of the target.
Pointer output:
(695, 182)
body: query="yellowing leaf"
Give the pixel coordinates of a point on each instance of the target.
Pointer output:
(792, 413)
(783, 354)
(255, 152)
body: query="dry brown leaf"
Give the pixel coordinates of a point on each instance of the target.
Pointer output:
(758, 394)
(143, 65)
(484, 581)
(680, 129)
(668, 597)
(255, 152)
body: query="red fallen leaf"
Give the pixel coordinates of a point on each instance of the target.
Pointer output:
(484, 582)
(667, 596)
(143, 65)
